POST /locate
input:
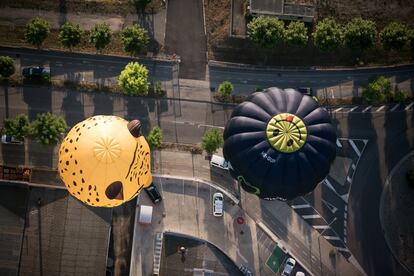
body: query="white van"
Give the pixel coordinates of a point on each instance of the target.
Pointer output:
(219, 162)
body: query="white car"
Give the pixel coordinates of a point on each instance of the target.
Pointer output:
(219, 162)
(5, 139)
(290, 264)
(218, 204)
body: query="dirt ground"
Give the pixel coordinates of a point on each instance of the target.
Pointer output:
(223, 47)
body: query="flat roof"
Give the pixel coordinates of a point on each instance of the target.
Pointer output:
(266, 6)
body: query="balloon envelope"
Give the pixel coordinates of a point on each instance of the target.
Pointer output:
(280, 144)
(102, 163)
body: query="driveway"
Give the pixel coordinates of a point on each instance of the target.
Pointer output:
(186, 38)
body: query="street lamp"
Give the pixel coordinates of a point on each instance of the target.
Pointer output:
(319, 242)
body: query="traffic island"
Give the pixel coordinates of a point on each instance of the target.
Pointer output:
(397, 213)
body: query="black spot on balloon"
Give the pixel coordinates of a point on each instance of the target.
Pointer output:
(74, 183)
(290, 142)
(276, 132)
(80, 170)
(76, 162)
(73, 173)
(66, 150)
(70, 141)
(97, 199)
(89, 187)
(67, 163)
(83, 180)
(89, 200)
(78, 193)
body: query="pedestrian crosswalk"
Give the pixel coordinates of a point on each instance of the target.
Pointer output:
(398, 107)
(157, 253)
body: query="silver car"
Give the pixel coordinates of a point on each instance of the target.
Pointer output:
(290, 264)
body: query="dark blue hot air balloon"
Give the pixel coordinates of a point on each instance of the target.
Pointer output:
(280, 144)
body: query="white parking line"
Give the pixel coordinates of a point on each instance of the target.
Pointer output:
(342, 249)
(355, 148)
(338, 143)
(338, 109)
(321, 227)
(395, 107)
(367, 108)
(301, 206)
(409, 106)
(310, 216)
(352, 109)
(381, 108)
(335, 238)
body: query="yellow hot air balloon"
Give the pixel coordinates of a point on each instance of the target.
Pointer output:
(105, 161)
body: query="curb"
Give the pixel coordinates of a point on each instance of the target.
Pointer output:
(235, 65)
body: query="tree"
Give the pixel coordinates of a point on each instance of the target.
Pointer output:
(37, 31)
(399, 96)
(394, 36)
(327, 35)
(135, 39)
(154, 138)
(100, 36)
(134, 79)
(226, 88)
(360, 34)
(266, 31)
(47, 128)
(212, 140)
(296, 34)
(17, 128)
(377, 91)
(7, 67)
(70, 35)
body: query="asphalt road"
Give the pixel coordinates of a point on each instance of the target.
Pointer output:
(344, 83)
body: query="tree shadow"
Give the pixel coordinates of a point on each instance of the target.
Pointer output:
(72, 108)
(138, 109)
(62, 12)
(38, 100)
(103, 104)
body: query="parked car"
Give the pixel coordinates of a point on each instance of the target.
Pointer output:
(245, 271)
(218, 204)
(300, 273)
(6, 139)
(306, 91)
(290, 264)
(219, 162)
(36, 72)
(153, 193)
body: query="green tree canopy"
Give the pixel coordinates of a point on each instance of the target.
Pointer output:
(154, 138)
(212, 140)
(377, 90)
(226, 88)
(134, 79)
(266, 31)
(296, 34)
(394, 36)
(37, 31)
(100, 36)
(327, 35)
(70, 35)
(17, 127)
(135, 39)
(7, 67)
(360, 34)
(47, 128)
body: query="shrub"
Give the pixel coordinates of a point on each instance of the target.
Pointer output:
(158, 89)
(17, 128)
(47, 128)
(327, 35)
(134, 79)
(212, 140)
(100, 36)
(70, 35)
(226, 88)
(360, 34)
(266, 31)
(399, 96)
(7, 67)
(377, 91)
(394, 36)
(37, 30)
(296, 34)
(154, 138)
(135, 39)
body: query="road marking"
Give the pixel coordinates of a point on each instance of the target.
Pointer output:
(345, 197)
(310, 216)
(300, 206)
(409, 106)
(381, 108)
(349, 179)
(367, 108)
(353, 166)
(329, 185)
(335, 238)
(330, 206)
(198, 126)
(321, 227)
(355, 148)
(338, 143)
(352, 109)
(342, 249)
(338, 109)
(395, 107)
